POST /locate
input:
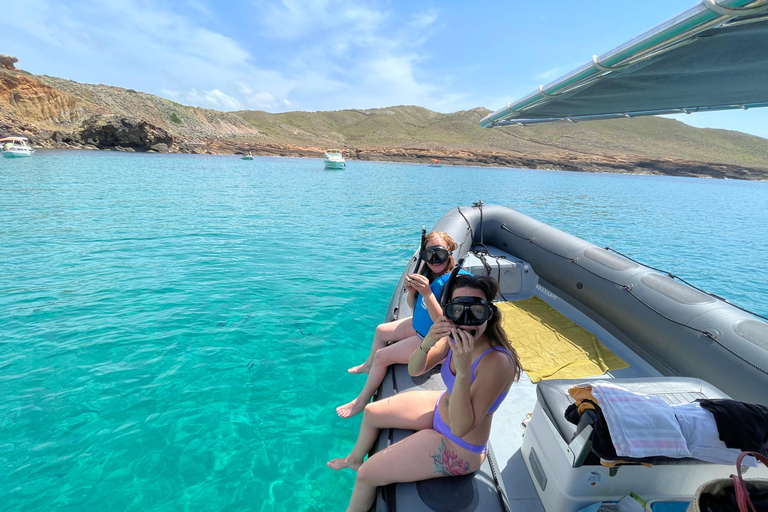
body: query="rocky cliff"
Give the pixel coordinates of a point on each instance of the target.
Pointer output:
(54, 112)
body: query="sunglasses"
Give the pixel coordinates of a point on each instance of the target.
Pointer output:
(435, 255)
(468, 311)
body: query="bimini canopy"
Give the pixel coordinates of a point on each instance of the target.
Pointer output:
(713, 56)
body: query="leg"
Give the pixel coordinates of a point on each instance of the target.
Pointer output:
(384, 335)
(420, 456)
(412, 410)
(397, 353)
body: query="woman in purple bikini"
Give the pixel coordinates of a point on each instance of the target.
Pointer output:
(453, 426)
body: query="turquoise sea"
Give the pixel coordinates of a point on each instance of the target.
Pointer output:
(175, 330)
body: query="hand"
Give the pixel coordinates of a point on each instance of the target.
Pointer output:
(439, 330)
(463, 345)
(409, 284)
(419, 283)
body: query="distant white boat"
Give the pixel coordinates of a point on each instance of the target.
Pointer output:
(15, 147)
(334, 160)
(247, 156)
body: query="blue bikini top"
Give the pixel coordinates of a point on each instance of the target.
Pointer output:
(449, 378)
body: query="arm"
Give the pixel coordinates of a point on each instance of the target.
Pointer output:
(433, 306)
(469, 402)
(432, 350)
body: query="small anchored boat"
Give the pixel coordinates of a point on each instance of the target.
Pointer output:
(247, 156)
(334, 160)
(15, 147)
(435, 163)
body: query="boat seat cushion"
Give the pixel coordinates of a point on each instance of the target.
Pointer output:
(554, 398)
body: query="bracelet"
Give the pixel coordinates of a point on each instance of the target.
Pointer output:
(422, 350)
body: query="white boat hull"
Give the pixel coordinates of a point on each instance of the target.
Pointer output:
(334, 165)
(17, 153)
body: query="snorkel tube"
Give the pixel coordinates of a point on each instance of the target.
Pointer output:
(421, 249)
(444, 299)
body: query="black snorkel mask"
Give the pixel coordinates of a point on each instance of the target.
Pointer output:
(435, 255)
(468, 311)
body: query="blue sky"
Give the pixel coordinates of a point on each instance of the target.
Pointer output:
(282, 55)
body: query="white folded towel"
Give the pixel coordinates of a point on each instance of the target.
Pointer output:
(640, 425)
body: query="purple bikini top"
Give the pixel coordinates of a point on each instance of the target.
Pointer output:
(449, 378)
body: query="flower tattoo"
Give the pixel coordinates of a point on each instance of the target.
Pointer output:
(448, 463)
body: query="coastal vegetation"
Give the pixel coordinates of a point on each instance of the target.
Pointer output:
(54, 112)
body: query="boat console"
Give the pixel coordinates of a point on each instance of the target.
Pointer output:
(568, 478)
(516, 278)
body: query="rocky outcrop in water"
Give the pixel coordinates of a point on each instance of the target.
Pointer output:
(115, 132)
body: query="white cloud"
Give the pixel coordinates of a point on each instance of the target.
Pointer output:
(424, 19)
(368, 57)
(214, 99)
(299, 19)
(312, 54)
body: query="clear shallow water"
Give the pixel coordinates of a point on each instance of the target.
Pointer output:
(175, 330)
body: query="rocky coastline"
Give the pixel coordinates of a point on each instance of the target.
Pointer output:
(61, 114)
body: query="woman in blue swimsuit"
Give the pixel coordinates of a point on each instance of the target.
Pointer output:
(453, 427)
(394, 342)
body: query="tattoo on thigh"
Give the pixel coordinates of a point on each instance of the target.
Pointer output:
(448, 463)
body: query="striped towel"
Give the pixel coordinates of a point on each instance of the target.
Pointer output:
(640, 425)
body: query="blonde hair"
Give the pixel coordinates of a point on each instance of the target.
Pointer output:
(450, 245)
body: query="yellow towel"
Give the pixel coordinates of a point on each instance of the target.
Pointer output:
(550, 346)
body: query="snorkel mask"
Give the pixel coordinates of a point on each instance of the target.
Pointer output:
(468, 311)
(435, 255)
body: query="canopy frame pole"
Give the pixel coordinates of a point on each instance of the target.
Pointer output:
(603, 67)
(713, 6)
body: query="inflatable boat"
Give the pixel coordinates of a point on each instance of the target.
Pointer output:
(679, 343)
(676, 342)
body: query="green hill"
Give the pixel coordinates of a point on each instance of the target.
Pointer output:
(410, 127)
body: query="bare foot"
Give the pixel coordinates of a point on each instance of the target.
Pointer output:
(350, 409)
(346, 462)
(361, 368)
